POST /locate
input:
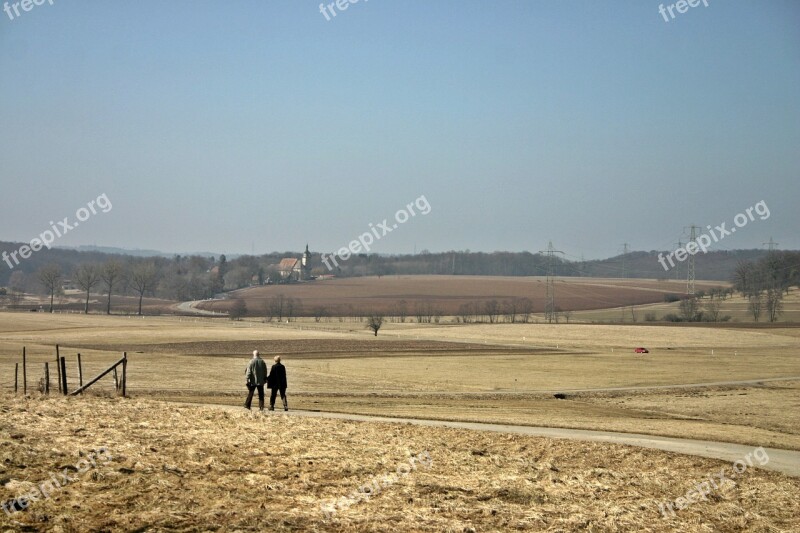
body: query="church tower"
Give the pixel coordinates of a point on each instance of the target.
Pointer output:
(305, 263)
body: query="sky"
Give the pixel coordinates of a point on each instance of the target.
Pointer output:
(258, 126)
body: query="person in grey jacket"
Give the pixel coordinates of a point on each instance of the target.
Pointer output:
(256, 376)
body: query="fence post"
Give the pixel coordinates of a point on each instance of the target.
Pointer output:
(24, 372)
(16, 377)
(58, 367)
(46, 378)
(116, 381)
(64, 375)
(124, 373)
(97, 378)
(80, 372)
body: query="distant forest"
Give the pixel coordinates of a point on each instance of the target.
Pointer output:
(199, 276)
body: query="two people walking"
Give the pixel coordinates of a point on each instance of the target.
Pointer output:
(256, 376)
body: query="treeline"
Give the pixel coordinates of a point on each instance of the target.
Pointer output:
(282, 308)
(196, 277)
(177, 279)
(764, 282)
(711, 266)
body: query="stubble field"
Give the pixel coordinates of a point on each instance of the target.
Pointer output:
(169, 467)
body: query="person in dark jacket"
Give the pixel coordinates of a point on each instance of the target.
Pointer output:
(256, 376)
(277, 382)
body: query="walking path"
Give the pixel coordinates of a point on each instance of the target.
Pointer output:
(785, 461)
(189, 307)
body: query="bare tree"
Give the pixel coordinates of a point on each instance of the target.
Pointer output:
(755, 303)
(143, 279)
(568, 314)
(745, 278)
(689, 309)
(87, 277)
(276, 307)
(525, 309)
(491, 309)
(424, 312)
(374, 323)
(50, 278)
(774, 304)
(399, 310)
(291, 307)
(712, 309)
(238, 310)
(320, 312)
(465, 313)
(510, 310)
(111, 273)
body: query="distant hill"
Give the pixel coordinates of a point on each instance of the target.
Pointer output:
(712, 265)
(135, 252)
(718, 266)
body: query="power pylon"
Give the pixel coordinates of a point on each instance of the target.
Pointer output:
(550, 304)
(690, 265)
(624, 254)
(771, 245)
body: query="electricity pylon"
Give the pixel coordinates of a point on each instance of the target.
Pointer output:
(550, 304)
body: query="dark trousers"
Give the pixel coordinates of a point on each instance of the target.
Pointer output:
(274, 395)
(250, 390)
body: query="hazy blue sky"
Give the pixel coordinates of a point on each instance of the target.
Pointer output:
(224, 125)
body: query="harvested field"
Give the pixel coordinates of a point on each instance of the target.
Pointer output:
(179, 468)
(353, 296)
(476, 372)
(315, 348)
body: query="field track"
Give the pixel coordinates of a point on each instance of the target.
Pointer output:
(785, 461)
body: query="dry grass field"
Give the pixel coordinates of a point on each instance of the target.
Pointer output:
(478, 372)
(139, 465)
(350, 296)
(735, 307)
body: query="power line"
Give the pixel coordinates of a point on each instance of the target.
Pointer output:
(550, 304)
(679, 245)
(690, 277)
(771, 245)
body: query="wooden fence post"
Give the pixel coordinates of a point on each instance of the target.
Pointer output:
(16, 377)
(64, 375)
(97, 378)
(116, 381)
(46, 378)
(124, 373)
(58, 367)
(24, 372)
(80, 372)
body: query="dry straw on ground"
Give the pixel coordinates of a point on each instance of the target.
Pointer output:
(182, 468)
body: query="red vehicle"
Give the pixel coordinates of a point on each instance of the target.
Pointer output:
(641, 350)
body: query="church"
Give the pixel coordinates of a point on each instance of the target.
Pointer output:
(293, 269)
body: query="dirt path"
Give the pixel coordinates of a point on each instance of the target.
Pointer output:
(785, 461)
(189, 307)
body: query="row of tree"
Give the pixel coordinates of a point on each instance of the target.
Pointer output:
(187, 277)
(110, 277)
(765, 282)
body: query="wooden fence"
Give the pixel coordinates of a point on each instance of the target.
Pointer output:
(120, 378)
